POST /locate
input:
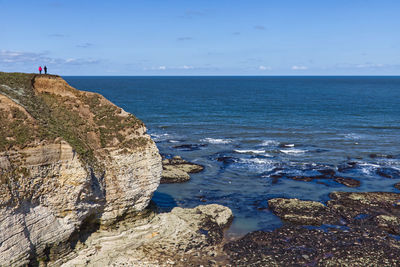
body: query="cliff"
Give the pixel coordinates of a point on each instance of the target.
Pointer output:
(70, 162)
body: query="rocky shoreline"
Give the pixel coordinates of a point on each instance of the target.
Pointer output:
(352, 229)
(77, 175)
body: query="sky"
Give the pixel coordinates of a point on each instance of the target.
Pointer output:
(187, 37)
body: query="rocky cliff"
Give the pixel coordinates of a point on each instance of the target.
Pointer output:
(70, 162)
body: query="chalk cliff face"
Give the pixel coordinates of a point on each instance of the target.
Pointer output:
(69, 161)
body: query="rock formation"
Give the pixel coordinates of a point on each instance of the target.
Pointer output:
(70, 161)
(176, 170)
(352, 229)
(182, 237)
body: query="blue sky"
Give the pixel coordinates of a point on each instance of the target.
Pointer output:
(219, 37)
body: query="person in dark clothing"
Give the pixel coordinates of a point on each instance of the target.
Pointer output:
(40, 69)
(45, 70)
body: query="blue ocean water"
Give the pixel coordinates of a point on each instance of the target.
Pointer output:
(248, 130)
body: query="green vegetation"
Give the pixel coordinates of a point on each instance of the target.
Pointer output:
(63, 116)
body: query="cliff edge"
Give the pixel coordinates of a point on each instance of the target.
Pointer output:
(69, 161)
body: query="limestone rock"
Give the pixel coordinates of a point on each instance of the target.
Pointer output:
(179, 238)
(300, 211)
(176, 170)
(349, 208)
(70, 161)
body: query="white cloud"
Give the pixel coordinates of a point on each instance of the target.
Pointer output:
(369, 65)
(17, 57)
(184, 67)
(295, 67)
(264, 68)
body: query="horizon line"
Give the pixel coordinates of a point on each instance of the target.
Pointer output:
(232, 75)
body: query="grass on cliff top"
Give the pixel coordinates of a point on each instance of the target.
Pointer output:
(59, 116)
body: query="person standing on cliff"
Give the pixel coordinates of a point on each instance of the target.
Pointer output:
(40, 69)
(45, 70)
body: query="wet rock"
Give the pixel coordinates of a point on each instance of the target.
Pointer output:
(299, 246)
(350, 204)
(327, 172)
(347, 166)
(388, 223)
(377, 155)
(349, 182)
(303, 178)
(226, 160)
(347, 206)
(189, 147)
(388, 173)
(176, 170)
(368, 217)
(300, 211)
(397, 186)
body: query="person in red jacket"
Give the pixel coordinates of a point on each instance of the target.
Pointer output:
(40, 69)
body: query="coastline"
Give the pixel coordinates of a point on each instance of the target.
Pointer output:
(83, 197)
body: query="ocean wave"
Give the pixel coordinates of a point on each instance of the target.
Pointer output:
(257, 164)
(173, 141)
(216, 141)
(269, 143)
(159, 136)
(352, 136)
(249, 151)
(286, 145)
(371, 165)
(293, 151)
(368, 168)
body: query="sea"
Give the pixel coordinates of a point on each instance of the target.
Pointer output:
(254, 134)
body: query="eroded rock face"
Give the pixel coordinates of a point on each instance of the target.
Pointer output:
(182, 237)
(68, 160)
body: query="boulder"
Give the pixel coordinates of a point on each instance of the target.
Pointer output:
(176, 170)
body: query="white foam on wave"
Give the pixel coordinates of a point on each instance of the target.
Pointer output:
(216, 140)
(269, 143)
(260, 165)
(352, 136)
(369, 165)
(368, 168)
(159, 137)
(173, 141)
(293, 151)
(288, 145)
(392, 163)
(249, 151)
